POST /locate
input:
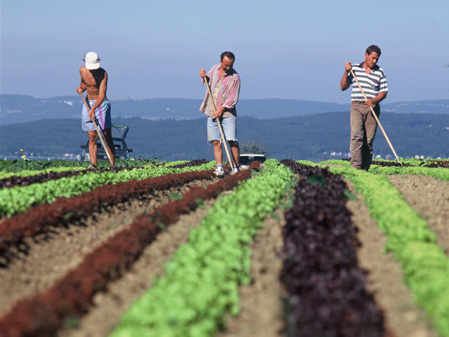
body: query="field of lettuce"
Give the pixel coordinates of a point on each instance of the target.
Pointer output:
(285, 248)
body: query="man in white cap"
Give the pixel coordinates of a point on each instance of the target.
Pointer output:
(94, 79)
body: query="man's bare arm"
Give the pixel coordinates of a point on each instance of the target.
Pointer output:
(82, 87)
(203, 74)
(344, 82)
(376, 100)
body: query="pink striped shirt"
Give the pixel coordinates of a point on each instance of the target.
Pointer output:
(226, 90)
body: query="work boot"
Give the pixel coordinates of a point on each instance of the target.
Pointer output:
(219, 172)
(235, 170)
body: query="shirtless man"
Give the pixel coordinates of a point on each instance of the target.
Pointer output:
(94, 79)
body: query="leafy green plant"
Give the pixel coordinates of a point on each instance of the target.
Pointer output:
(200, 202)
(350, 196)
(177, 162)
(307, 162)
(335, 162)
(438, 173)
(319, 180)
(175, 196)
(71, 323)
(201, 281)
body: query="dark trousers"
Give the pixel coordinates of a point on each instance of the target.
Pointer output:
(363, 131)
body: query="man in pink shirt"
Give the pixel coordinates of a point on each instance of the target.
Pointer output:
(225, 86)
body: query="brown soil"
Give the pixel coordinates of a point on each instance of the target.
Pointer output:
(110, 306)
(51, 256)
(430, 198)
(385, 278)
(261, 312)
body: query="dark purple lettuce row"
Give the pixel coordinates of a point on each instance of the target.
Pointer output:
(389, 163)
(443, 164)
(424, 163)
(326, 288)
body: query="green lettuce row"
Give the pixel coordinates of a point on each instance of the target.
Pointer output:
(307, 162)
(18, 165)
(436, 172)
(325, 162)
(335, 162)
(19, 199)
(178, 162)
(425, 264)
(28, 173)
(200, 285)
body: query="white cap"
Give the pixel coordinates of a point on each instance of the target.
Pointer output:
(92, 61)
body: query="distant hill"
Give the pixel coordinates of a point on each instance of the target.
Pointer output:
(422, 107)
(308, 137)
(22, 108)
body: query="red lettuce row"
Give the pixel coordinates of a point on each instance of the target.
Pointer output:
(39, 219)
(326, 288)
(43, 314)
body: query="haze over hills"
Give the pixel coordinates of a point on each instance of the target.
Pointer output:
(24, 108)
(314, 137)
(18, 108)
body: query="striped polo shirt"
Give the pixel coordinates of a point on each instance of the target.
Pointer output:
(372, 83)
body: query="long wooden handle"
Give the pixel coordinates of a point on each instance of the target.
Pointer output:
(100, 134)
(223, 138)
(376, 118)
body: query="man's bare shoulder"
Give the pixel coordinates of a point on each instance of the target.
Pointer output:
(83, 70)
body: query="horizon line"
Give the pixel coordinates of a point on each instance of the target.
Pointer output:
(242, 99)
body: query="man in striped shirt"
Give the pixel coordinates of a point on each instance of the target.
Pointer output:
(363, 124)
(225, 86)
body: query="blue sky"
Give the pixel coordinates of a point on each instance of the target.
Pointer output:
(284, 49)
